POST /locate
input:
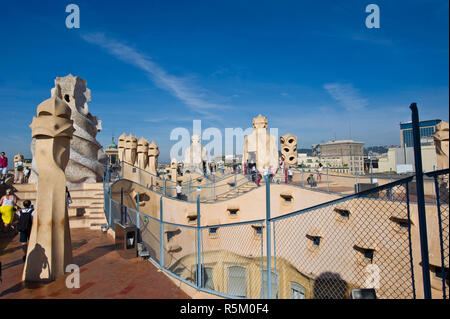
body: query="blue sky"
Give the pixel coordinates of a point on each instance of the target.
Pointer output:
(311, 67)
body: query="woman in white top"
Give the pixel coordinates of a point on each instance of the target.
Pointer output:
(7, 202)
(319, 172)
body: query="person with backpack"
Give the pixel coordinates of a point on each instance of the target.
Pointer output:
(24, 225)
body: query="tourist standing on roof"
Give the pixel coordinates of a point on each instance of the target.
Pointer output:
(8, 204)
(24, 226)
(3, 166)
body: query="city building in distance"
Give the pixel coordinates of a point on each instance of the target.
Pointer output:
(346, 156)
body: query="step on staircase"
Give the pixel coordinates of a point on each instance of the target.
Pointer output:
(236, 192)
(86, 210)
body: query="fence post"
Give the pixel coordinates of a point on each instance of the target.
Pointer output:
(269, 254)
(121, 206)
(164, 185)
(392, 192)
(199, 262)
(421, 203)
(110, 211)
(137, 212)
(371, 170)
(328, 184)
(303, 176)
(161, 234)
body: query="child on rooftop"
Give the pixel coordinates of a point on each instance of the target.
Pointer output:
(24, 225)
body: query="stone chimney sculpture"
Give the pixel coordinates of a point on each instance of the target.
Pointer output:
(121, 146)
(288, 144)
(194, 156)
(441, 139)
(260, 147)
(131, 149)
(87, 161)
(49, 248)
(173, 169)
(142, 153)
(153, 154)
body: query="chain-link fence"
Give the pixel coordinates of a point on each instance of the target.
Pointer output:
(365, 240)
(439, 249)
(362, 241)
(232, 259)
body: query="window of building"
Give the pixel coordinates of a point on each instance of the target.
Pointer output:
(237, 281)
(207, 277)
(297, 291)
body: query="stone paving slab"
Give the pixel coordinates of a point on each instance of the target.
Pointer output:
(103, 273)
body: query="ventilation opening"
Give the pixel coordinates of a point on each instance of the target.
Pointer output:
(192, 218)
(233, 211)
(345, 213)
(287, 198)
(286, 150)
(367, 253)
(401, 222)
(213, 230)
(291, 141)
(67, 98)
(439, 273)
(258, 229)
(315, 240)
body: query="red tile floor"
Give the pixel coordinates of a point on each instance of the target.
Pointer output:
(103, 273)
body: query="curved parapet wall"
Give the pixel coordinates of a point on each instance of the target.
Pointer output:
(323, 244)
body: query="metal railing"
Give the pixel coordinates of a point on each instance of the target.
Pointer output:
(358, 241)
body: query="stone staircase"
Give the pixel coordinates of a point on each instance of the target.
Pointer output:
(86, 210)
(236, 192)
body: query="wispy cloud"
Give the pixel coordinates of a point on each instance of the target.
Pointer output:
(168, 119)
(346, 95)
(196, 98)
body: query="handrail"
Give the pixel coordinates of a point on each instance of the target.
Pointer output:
(339, 200)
